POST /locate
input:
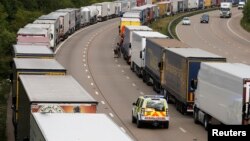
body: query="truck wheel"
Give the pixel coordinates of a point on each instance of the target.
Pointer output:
(206, 122)
(196, 121)
(132, 66)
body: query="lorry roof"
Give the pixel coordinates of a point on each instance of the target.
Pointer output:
(138, 28)
(44, 21)
(58, 14)
(33, 64)
(167, 43)
(78, 126)
(32, 49)
(150, 34)
(31, 25)
(236, 69)
(32, 31)
(130, 19)
(65, 10)
(48, 17)
(193, 52)
(55, 88)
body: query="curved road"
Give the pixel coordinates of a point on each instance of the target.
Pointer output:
(222, 36)
(88, 57)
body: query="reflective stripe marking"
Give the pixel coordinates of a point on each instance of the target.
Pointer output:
(111, 115)
(96, 93)
(102, 102)
(123, 130)
(183, 130)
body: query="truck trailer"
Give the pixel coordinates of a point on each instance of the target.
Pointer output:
(138, 45)
(32, 51)
(72, 19)
(50, 94)
(31, 66)
(102, 9)
(180, 71)
(222, 94)
(76, 126)
(126, 46)
(153, 73)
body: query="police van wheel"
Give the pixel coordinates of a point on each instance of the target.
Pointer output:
(139, 123)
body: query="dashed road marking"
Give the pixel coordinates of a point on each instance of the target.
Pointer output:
(122, 70)
(88, 76)
(84, 56)
(86, 70)
(133, 84)
(83, 60)
(119, 65)
(92, 84)
(127, 77)
(111, 115)
(183, 130)
(123, 130)
(102, 102)
(96, 92)
(85, 65)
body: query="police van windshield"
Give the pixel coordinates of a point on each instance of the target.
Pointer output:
(156, 104)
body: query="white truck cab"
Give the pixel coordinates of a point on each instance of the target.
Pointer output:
(225, 10)
(241, 5)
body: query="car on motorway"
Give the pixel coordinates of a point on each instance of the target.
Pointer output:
(150, 110)
(204, 18)
(241, 5)
(186, 21)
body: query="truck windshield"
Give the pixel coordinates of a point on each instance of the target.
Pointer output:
(224, 9)
(156, 104)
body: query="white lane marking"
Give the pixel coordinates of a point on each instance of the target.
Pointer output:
(83, 60)
(84, 65)
(86, 70)
(123, 130)
(183, 130)
(59, 47)
(103, 102)
(84, 56)
(116, 60)
(85, 48)
(92, 84)
(111, 115)
(127, 77)
(96, 92)
(142, 93)
(90, 40)
(133, 84)
(235, 32)
(88, 76)
(122, 70)
(119, 65)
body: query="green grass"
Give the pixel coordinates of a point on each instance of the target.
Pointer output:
(245, 25)
(4, 91)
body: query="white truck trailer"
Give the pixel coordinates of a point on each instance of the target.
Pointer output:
(222, 94)
(102, 9)
(76, 126)
(225, 9)
(138, 44)
(72, 19)
(55, 25)
(126, 46)
(50, 94)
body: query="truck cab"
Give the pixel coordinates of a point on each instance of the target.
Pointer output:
(225, 10)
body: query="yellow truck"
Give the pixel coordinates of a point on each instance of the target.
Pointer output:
(207, 3)
(128, 22)
(164, 8)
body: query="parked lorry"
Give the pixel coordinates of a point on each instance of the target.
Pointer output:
(164, 8)
(35, 36)
(85, 16)
(138, 45)
(155, 53)
(48, 27)
(72, 19)
(181, 69)
(76, 126)
(225, 10)
(121, 7)
(193, 4)
(77, 17)
(102, 9)
(32, 51)
(55, 25)
(64, 24)
(126, 46)
(128, 22)
(207, 3)
(222, 94)
(31, 66)
(178, 6)
(50, 94)
(93, 14)
(111, 9)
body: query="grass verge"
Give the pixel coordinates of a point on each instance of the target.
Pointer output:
(245, 25)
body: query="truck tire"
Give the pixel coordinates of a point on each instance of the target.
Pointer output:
(166, 125)
(132, 66)
(196, 121)
(133, 119)
(206, 122)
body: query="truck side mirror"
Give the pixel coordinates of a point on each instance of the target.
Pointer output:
(160, 65)
(194, 84)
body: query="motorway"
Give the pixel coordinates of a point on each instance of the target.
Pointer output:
(88, 57)
(222, 36)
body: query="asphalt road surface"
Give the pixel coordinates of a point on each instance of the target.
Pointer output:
(222, 36)
(88, 57)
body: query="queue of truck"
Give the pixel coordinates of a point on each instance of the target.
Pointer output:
(173, 68)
